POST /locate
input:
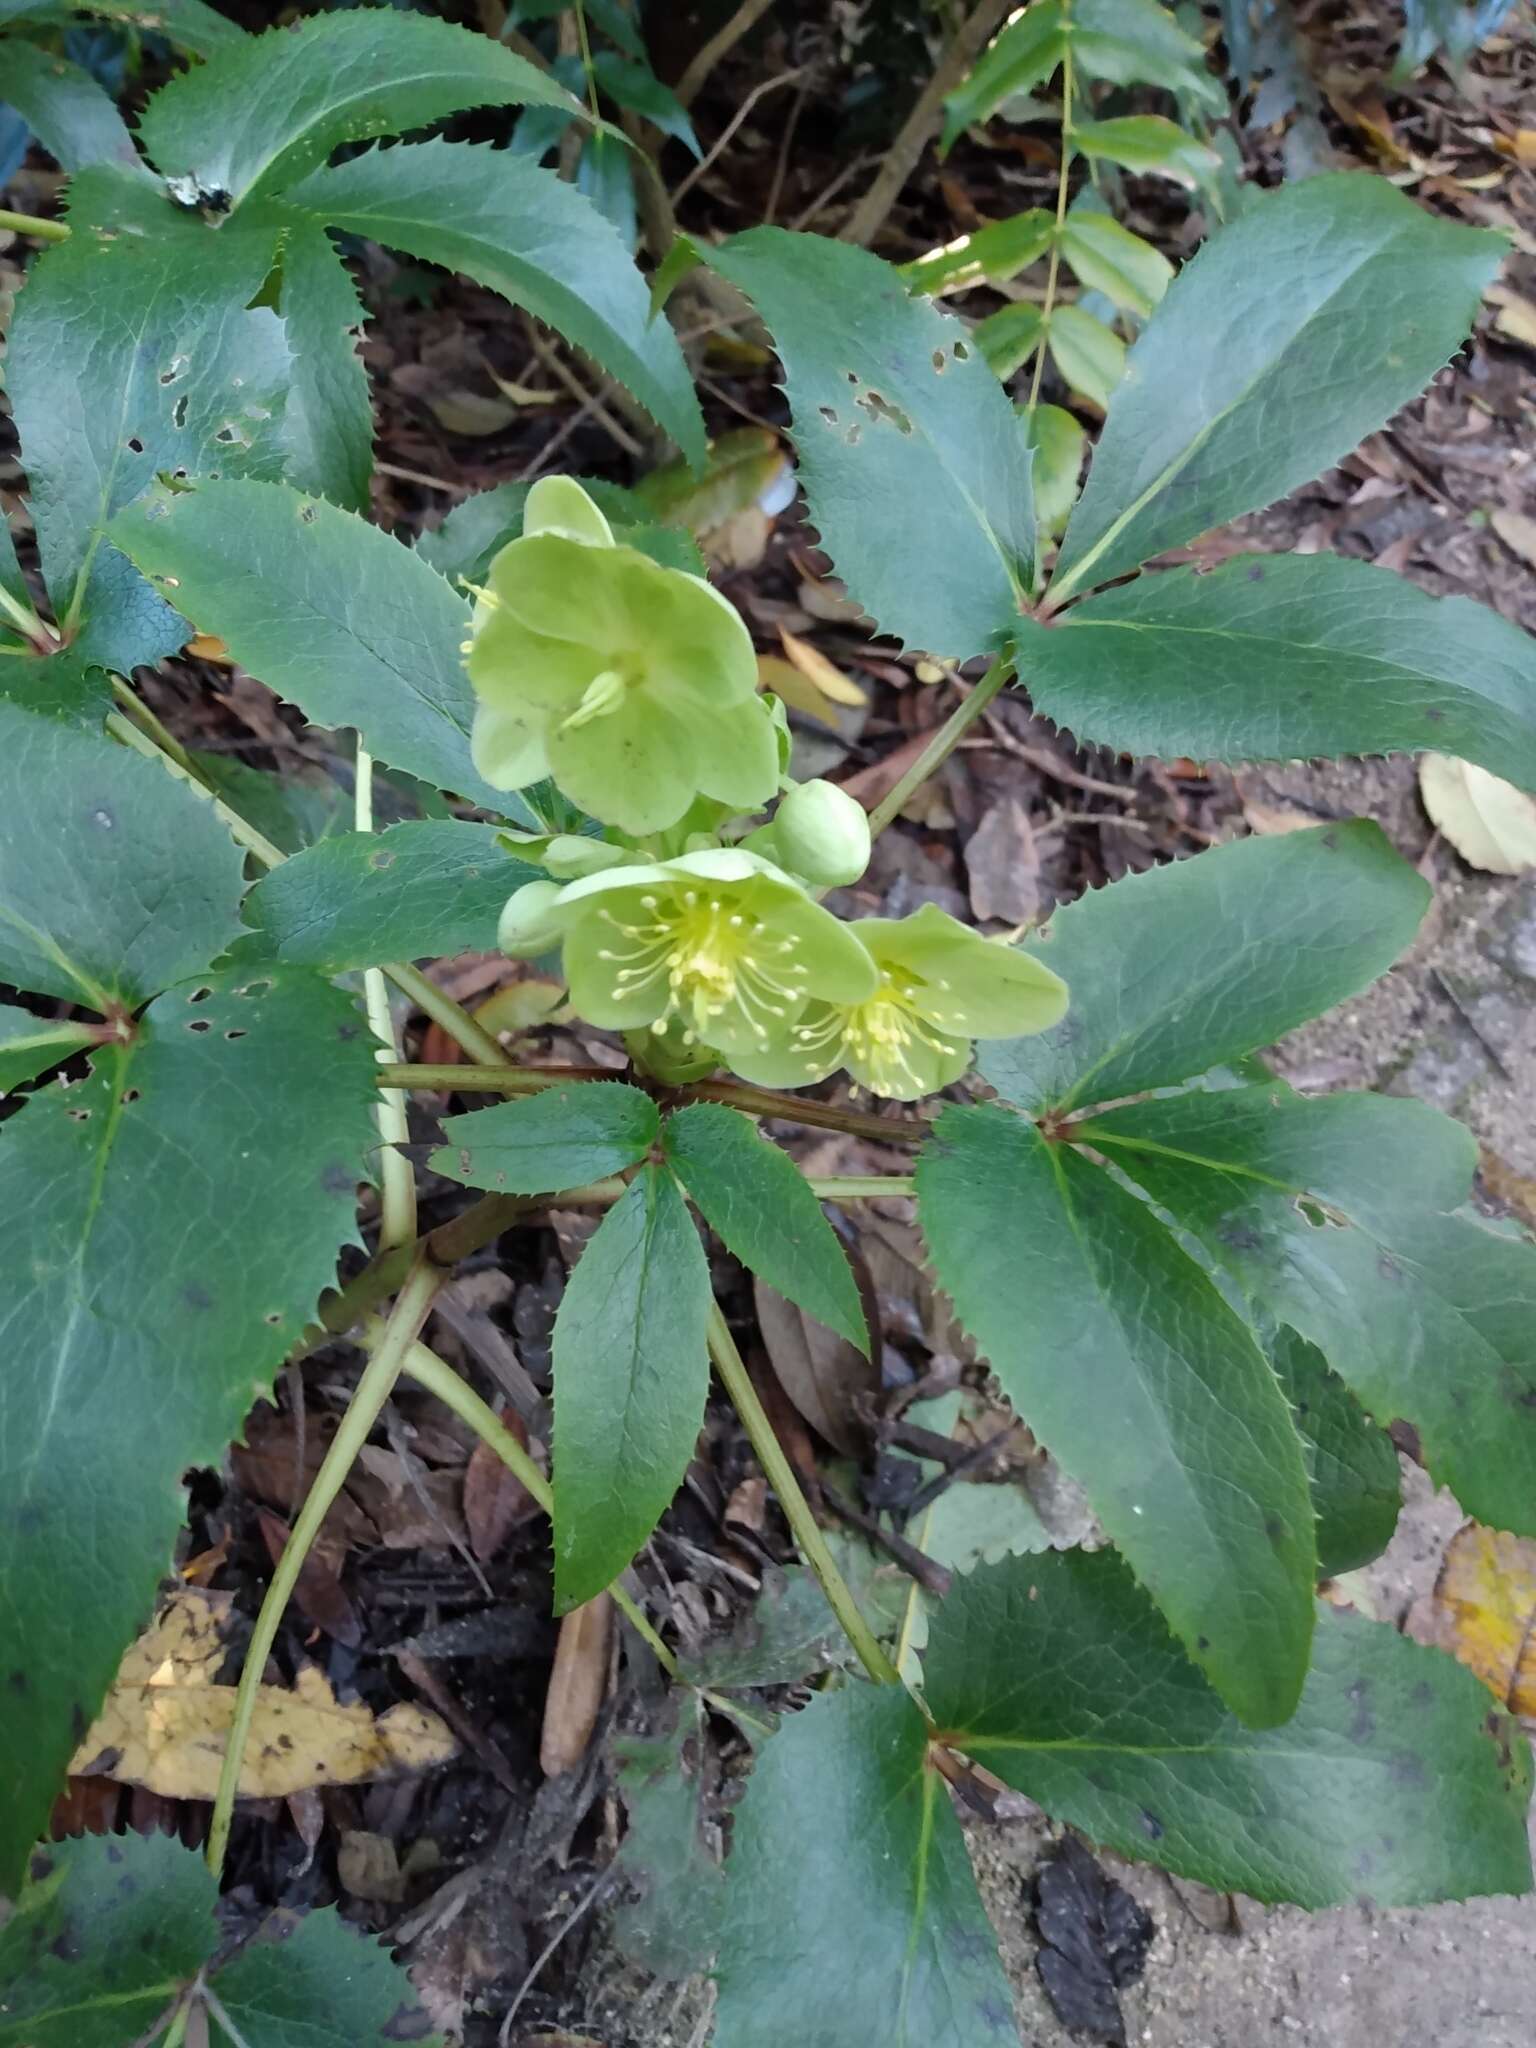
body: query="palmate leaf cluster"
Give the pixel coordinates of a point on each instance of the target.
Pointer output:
(1205, 1294)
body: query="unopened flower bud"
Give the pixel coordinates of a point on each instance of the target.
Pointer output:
(526, 929)
(822, 835)
(569, 856)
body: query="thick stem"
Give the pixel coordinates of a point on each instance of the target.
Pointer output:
(373, 1390)
(1053, 271)
(442, 1009)
(780, 1476)
(397, 1177)
(467, 1079)
(708, 54)
(29, 224)
(943, 743)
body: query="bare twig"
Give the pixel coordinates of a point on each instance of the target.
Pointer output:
(722, 141)
(725, 38)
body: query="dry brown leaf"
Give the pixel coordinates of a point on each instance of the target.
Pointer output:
(495, 1499)
(576, 1686)
(1517, 530)
(1519, 147)
(825, 1376)
(165, 1722)
(1490, 823)
(369, 1866)
(1514, 316)
(524, 1005)
(1002, 865)
(825, 675)
(1485, 1604)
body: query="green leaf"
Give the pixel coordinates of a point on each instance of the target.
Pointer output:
(991, 255)
(631, 1376)
(361, 898)
(1188, 966)
(1009, 337)
(326, 610)
(1089, 356)
(605, 177)
(29, 1045)
(850, 1910)
(1023, 56)
(292, 810)
(478, 527)
(1146, 143)
(1392, 1784)
(1058, 441)
(172, 1222)
(673, 1927)
(1331, 1214)
(1136, 42)
(112, 1933)
(1110, 259)
(264, 113)
(1351, 1464)
(1121, 1356)
(560, 1138)
(1280, 656)
(114, 878)
(1279, 317)
(70, 114)
(504, 222)
(147, 303)
(637, 87)
(188, 24)
(894, 407)
(751, 1193)
(328, 421)
(60, 686)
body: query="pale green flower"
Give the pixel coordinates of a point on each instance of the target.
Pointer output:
(940, 986)
(719, 948)
(633, 685)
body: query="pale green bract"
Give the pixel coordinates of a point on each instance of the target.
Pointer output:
(633, 685)
(940, 986)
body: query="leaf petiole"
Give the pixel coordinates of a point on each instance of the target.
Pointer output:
(943, 743)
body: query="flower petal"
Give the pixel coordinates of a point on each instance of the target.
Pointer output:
(929, 1060)
(567, 590)
(699, 643)
(558, 504)
(738, 753)
(635, 767)
(966, 984)
(839, 968)
(507, 663)
(506, 744)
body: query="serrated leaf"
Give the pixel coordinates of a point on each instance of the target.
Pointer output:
(328, 420)
(1121, 1356)
(1148, 144)
(1058, 441)
(59, 685)
(1136, 42)
(631, 1376)
(114, 878)
(1284, 656)
(850, 1910)
(754, 1197)
(188, 24)
(1280, 316)
(173, 1220)
(991, 254)
(1090, 357)
(1391, 1784)
(361, 898)
(501, 220)
(560, 1138)
(1351, 1463)
(1009, 337)
(1331, 1213)
(673, 1927)
(1110, 259)
(264, 113)
(636, 86)
(326, 610)
(75, 120)
(145, 302)
(111, 1934)
(894, 407)
(30, 1045)
(1189, 966)
(1021, 57)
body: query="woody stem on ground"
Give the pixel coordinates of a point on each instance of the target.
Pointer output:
(388, 1348)
(737, 1382)
(397, 1177)
(943, 743)
(1053, 269)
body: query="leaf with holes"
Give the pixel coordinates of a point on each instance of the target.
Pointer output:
(1281, 316)
(329, 612)
(113, 1935)
(754, 1196)
(850, 1910)
(560, 1138)
(504, 222)
(1274, 656)
(1187, 967)
(262, 114)
(1118, 1352)
(1335, 1215)
(631, 1375)
(894, 408)
(173, 1221)
(115, 880)
(362, 898)
(30, 1044)
(1392, 1784)
(1351, 1464)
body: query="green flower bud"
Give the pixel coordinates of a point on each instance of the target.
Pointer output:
(569, 856)
(524, 929)
(822, 835)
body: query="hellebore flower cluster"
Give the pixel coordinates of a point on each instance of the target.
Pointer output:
(635, 686)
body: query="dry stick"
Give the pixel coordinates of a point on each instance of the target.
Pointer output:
(867, 218)
(709, 53)
(373, 1390)
(777, 1470)
(726, 134)
(942, 745)
(1053, 270)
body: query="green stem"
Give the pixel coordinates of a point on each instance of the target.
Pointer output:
(54, 1034)
(780, 1476)
(467, 1080)
(1053, 272)
(26, 621)
(442, 1009)
(856, 1187)
(397, 1177)
(29, 224)
(943, 743)
(243, 834)
(373, 1390)
(167, 742)
(176, 2033)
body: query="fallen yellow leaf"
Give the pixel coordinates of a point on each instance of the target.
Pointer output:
(1485, 1599)
(1490, 823)
(798, 691)
(816, 668)
(165, 1723)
